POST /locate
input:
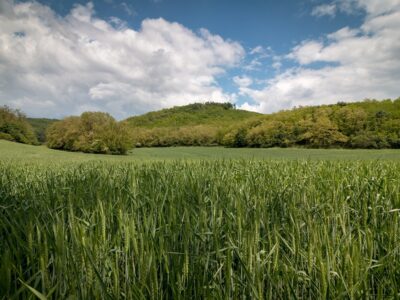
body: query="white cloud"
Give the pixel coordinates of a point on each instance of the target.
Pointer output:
(377, 7)
(257, 50)
(324, 10)
(242, 81)
(371, 7)
(277, 62)
(356, 63)
(307, 52)
(343, 33)
(55, 66)
(129, 10)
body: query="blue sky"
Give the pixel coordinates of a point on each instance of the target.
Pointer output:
(130, 57)
(278, 24)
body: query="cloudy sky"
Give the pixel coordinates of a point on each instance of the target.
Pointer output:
(60, 58)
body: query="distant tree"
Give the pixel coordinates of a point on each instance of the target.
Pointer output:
(64, 134)
(92, 132)
(351, 120)
(236, 138)
(270, 134)
(369, 140)
(15, 127)
(322, 132)
(40, 125)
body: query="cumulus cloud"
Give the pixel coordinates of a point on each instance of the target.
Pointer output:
(55, 66)
(371, 7)
(352, 64)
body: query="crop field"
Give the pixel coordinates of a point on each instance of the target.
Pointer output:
(28, 153)
(198, 229)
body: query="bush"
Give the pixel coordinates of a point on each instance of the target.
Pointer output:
(6, 136)
(92, 132)
(15, 127)
(369, 140)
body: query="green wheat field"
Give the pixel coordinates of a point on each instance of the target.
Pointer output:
(199, 223)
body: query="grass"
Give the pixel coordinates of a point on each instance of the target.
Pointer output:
(198, 228)
(9, 150)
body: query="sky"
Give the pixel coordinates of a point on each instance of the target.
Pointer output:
(61, 58)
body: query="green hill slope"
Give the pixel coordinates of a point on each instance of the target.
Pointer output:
(191, 125)
(213, 114)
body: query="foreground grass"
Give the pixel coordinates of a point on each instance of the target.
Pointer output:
(27, 153)
(200, 230)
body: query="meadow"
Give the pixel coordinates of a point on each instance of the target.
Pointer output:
(258, 224)
(42, 154)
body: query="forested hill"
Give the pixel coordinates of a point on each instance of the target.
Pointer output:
(210, 113)
(198, 124)
(366, 124)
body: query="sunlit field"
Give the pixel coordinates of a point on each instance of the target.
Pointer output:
(28, 153)
(282, 225)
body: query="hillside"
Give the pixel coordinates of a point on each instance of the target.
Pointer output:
(39, 126)
(210, 113)
(190, 125)
(366, 124)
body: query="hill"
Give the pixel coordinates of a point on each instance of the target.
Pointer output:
(365, 124)
(196, 124)
(209, 113)
(39, 126)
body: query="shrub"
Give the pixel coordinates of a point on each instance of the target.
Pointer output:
(92, 132)
(15, 127)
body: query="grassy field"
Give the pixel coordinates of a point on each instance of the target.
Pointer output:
(9, 150)
(82, 226)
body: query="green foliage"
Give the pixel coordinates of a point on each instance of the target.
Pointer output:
(270, 134)
(40, 126)
(321, 132)
(14, 127)
(92, 132)
(368, 124)
(209, 113)
(198, 135)
(191, 125)
(6, 136)
(201, 230)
